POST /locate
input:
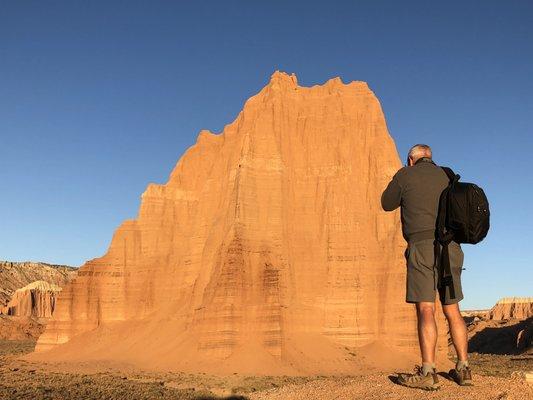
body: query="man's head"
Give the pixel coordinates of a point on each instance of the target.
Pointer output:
(417, 152)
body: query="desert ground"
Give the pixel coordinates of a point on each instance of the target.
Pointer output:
(496, 377)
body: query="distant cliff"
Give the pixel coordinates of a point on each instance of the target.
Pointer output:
(21, 284)
(512, 308)
(38, 299)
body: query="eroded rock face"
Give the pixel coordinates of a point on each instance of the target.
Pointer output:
(15, 275)
(37, 299)
(512, 308)
(28, 292)
(267, 247)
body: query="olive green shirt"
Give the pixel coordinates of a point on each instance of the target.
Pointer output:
(417, 190)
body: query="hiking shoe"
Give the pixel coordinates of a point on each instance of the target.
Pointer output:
(462, 377)
(419, 380)
(435, 376)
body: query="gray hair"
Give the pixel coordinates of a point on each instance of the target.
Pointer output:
(420, 150)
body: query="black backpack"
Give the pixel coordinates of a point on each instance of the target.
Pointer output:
(463, 217)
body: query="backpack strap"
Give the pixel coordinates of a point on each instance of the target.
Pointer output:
(441, 234)
(452, 176)
(442, 263)
(443, 237)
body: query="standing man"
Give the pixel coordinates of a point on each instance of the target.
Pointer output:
(416, 188)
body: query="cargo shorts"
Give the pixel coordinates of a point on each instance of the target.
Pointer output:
(422, 277)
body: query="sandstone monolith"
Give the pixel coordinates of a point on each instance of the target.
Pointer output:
(265, 252)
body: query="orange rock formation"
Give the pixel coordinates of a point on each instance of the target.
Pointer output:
(512, 308)
(266, 249)
(37, 299)
(15, 275)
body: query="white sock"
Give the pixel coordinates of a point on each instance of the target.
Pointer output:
(427, 368)
(460, 364)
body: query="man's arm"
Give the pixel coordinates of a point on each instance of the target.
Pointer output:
(392, 195)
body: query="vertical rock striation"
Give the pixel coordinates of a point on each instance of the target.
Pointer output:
(266, 248)
(37, 299)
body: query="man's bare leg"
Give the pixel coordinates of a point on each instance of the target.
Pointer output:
(461, 373)
(458, 330)
(427, 331)
(426, 377)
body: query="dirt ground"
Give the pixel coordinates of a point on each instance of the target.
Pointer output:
(496, 377)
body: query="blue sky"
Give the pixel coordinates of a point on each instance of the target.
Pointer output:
(97, 99)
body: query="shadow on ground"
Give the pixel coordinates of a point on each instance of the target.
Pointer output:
(394, 378)
(503, 340)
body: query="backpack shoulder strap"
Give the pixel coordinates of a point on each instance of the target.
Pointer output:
(442, 257)
(452, 176)
(440, 232)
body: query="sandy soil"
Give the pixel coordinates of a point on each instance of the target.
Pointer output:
(496, 377)
(382, 387)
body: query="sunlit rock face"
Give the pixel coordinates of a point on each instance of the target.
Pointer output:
(512, 308)
(37, 299)
(267, 243)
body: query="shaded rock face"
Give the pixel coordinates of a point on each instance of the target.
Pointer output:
(37, 299)
(267, 243)
(512, 308)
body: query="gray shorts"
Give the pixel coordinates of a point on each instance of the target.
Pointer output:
(422, 278)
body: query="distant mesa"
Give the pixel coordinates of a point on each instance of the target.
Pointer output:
(512, 308)
(28, 293)
(34, 300)
(265, 252)
(16, 275)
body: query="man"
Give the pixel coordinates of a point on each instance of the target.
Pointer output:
(416, 188)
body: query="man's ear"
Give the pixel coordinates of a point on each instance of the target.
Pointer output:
(409, 161)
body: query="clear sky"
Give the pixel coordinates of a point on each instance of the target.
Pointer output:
(97, 99)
